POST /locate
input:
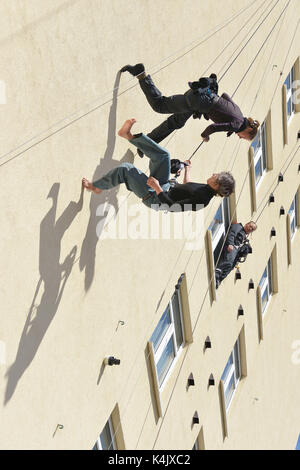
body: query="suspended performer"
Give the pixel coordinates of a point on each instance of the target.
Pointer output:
(201, 98)
(156, 191)
(236, 249)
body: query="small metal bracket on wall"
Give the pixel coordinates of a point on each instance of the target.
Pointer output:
(59, 426)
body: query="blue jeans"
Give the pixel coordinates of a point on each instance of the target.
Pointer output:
(134, 179)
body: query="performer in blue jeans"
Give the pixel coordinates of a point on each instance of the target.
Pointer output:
(155, 190)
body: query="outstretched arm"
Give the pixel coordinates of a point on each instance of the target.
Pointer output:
(216, 127)
(187, 169)
(174, 206)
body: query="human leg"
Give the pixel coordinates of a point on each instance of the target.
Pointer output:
(225, 264)
(159, 165)
(160, 103)
(133, 178)
(176, 121)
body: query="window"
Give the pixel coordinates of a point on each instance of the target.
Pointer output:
(232, 374)
(168, 338)
(219, 227)
(196, 445)
(293, 216)
(199, 443)
(290, 105)
(266, 286)
(106, 440)
(260, 154)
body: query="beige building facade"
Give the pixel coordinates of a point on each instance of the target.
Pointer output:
(83, 279)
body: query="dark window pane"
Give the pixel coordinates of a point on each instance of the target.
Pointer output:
(258, 171)
(177, 320)
(161, 329)
(227, 367)
(106, 438)
(237, 362)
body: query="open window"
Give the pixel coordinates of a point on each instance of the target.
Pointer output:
(111, 436)
(259, 155)
(168, 338)
(292, 222)
(267, 287)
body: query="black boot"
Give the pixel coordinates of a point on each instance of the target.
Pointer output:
(135, 70)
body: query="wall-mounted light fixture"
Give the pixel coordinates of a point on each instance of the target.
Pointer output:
(195, 418)
(238, 274)
(211, 381)
(207, 343)
(111, 361)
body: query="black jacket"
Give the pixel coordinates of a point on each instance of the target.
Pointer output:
(196, 195)
(236, 235)
(227, 117)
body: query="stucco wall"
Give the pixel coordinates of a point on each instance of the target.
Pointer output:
(63, 291)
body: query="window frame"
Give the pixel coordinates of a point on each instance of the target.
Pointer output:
(293, 217)
(222, 228)
(260, 154)
(266, 285)
(169, 334)
(289, 95)
(98, 444)
(233, 372)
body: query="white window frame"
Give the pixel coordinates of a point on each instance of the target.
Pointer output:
(222, 228)
(260, 154)
(232, 372)
(170, 333)
(266, 285)
(289, 95)
(196, 445)
(98, 444)
(293, 216)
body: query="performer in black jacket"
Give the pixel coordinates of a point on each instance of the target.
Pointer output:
(236, 238)
(156, 191)
(201, 98)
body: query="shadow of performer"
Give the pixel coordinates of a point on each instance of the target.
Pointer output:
(89, 244)
(53, 276)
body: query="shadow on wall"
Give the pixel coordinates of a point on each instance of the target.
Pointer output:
(89, 244)
(53, 278)
(53, 274)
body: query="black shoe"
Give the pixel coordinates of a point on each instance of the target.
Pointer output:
(135, 70)
(140, 153)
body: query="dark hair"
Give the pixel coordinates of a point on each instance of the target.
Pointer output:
(226, 184)
(253, 126)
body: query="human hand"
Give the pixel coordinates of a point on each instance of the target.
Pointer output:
(188, 163)
(229, 248)
(205, 139)
(153, 182)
